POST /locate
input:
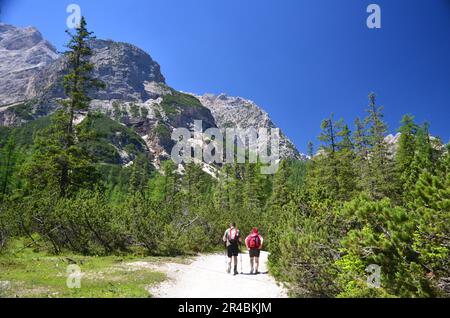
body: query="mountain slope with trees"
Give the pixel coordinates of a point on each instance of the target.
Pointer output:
(66, 186)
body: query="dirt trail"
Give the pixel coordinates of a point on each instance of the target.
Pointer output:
(206, 277)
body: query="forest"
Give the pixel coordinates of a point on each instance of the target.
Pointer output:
(358, 201)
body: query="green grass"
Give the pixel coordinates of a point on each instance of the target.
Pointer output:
(33, 273)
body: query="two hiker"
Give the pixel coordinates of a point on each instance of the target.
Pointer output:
(253, 242)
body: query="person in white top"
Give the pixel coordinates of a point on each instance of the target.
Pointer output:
(232, 239)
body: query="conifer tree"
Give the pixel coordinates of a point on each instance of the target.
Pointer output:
(8, 158)
(406, 152)
(423, 159)
(381, 169)
(279, 198)
(139, 175)
(361, 162)
(406, 146)
(252, 191)
(430, 204)
(77, 84)
(310, 149)
(345, 161)
(57, 152)
(328, 169)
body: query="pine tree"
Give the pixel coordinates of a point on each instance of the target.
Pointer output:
(381, 169)
(8, 158)
(328, 168)
(431, 209)
(57, 151)
(361, 162)
(236, 191)
(310, 149)
(423, 159)
(222, 191)
(345, 161)
(275, 211)
(251, 189)
(55, 167)
(77, 84)
(139, 175)
(301, 238)
(406, 152)
(171, 180)
(378, 232)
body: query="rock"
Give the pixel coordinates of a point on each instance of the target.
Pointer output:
(127, 71)
(237, 112)
(23, 55)
(136, 94)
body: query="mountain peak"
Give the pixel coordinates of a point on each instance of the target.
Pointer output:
(136, 92)
(231, 111)
(124, 68)
(24, 53)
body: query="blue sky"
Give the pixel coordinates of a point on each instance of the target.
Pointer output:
(298, 59)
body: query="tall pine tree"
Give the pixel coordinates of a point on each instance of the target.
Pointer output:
(381, 169)
(57, 152)
(406, 152)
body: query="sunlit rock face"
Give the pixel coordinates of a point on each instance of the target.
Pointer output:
(238, 112)
(24, 53)
(126, 70)
(136, 94)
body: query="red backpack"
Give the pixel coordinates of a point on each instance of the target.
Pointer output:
(255, 241)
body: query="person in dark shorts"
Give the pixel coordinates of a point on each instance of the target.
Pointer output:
(232, 239)
(254, 243)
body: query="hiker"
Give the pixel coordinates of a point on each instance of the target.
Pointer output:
(232, 239)
(254, 243)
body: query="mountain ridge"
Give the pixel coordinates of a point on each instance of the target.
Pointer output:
(136, 94)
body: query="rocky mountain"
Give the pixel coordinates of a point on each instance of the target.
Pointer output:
(393, 142)
(242, 113)
(23, 55)
(136, 95)
(125, 69)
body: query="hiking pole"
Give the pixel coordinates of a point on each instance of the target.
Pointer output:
(226, 260)
(242, 272)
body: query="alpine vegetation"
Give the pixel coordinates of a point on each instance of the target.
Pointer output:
(100, 158)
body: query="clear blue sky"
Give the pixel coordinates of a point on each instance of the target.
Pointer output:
(299, 59)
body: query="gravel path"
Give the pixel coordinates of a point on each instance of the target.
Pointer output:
(206, 277)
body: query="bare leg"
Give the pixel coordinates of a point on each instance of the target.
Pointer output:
(252, 260)
(257, 264)
(229, 265)
(235, 264)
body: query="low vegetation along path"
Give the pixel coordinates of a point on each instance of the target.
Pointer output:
(206, 277)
